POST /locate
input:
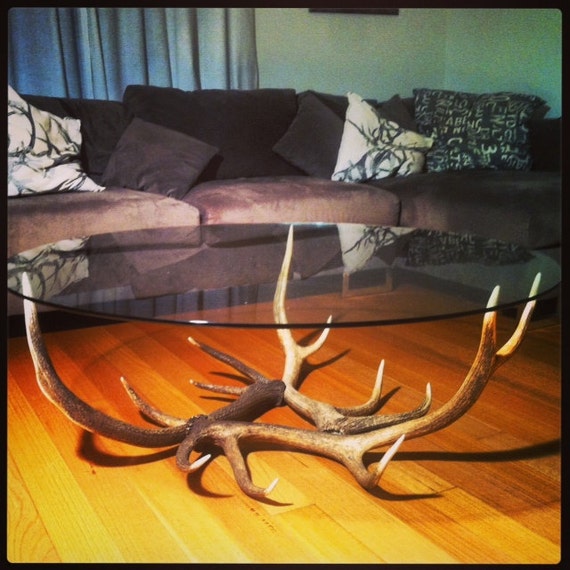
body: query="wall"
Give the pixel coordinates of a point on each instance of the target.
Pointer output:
(512, 50)
(477, 50)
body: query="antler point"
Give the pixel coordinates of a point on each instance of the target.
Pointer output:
(494, 297)
(192, 341)
(272, 486)
(195, 465)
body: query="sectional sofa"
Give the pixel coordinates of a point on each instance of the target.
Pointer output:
(486, 164)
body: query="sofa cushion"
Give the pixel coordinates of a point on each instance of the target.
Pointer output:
(312, 141)
(43, 151)
(155, 159)
(243, 125)
(292, 199)
(102, 124)
(373, 147)
(489, 130)
(522, 207)
(36, 220)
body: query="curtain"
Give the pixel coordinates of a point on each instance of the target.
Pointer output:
(95, 53)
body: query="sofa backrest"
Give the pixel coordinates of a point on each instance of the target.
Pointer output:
(244, 125)
(546, 144)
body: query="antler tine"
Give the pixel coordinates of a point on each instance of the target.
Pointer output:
(513, 343)
(235, 363)
(149, 411)
(73, 407)
(374, 402)
(295, 354)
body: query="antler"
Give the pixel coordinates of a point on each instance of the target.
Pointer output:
(341, 436)
(346, 449)
(350, 449)
(253, 402)
(325, 416)
(73, 407)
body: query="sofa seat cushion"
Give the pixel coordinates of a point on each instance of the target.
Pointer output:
(37, 220)
(292, 199)
(515, 206)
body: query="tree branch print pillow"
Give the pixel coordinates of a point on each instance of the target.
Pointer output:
(373, 147)
(43, 151)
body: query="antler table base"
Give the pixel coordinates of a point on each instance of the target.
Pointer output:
(342, 434)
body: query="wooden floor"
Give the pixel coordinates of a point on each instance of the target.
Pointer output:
(484, 490)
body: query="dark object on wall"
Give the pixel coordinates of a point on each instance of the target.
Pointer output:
(381, 11)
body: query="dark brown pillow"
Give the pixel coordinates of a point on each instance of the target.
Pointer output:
(155, 159)
(243, 124)
(395, 110)
(312, 141)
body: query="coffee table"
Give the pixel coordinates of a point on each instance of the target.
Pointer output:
(283, 277)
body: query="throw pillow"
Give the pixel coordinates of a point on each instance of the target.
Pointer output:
(243, 124)
(312, 141)
(476, 131)
(373, 147)
(395, 110)
(49, 269)
(155, 159)
(43, 151)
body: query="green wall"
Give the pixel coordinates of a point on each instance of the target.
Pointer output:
(478, 50)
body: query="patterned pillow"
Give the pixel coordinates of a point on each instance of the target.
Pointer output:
(49, 269)
(373, 147)
(43, 151)
(476, 131)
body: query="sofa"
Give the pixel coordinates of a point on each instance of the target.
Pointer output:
(163, 157)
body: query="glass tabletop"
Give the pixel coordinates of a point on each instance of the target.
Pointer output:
(226, 275)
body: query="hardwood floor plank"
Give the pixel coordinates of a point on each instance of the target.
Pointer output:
(27, 538)
(46, 474)
(329, 540)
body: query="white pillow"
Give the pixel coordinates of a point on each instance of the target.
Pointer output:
(43, 151)
(373, 147)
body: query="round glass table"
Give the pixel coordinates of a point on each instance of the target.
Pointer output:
(226, 275)
(284, 277)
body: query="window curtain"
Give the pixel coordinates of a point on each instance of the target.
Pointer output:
(95, 53)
